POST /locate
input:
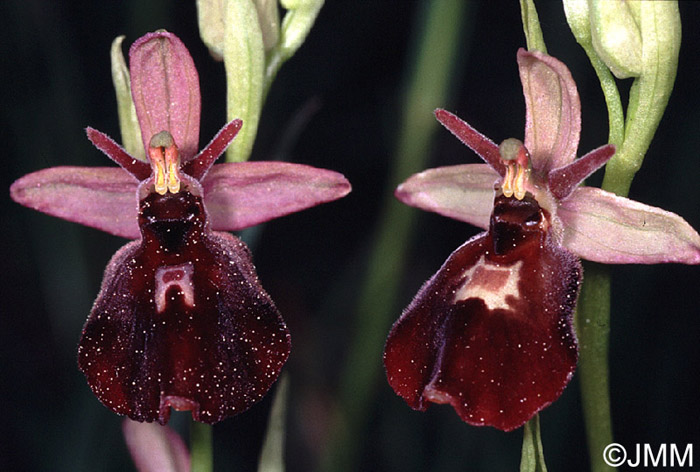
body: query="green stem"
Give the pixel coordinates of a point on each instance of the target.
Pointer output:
(660, 30)
(531, 26)
(272, 453)
(593, 311)
(577, 14)
(660, 27)
(616, 116)
(593, 327)
(429, 79)
(296, 25)
(532, 457)
(201, 447)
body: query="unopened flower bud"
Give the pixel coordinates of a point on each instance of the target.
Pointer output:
(212, 24)
(615, 31)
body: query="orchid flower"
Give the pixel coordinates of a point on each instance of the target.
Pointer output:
(181, 319)
(491, 333)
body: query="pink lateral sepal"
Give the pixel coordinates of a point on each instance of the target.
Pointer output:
(243, 194)
(463, 192)
(602, 227)
(99, 197)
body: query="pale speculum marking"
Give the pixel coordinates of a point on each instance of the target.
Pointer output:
(491, 283)
(179, 276)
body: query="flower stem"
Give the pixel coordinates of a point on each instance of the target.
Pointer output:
(593, 311)
(532, 458)
(531, 27)
(579, 22)
(272, 453)
(616, 117)
(201, 445)
(660, 30)
(297, 22)
(593, 327)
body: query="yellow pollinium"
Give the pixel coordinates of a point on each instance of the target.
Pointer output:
(165, 161)
(516, 158)
(173, 179)
(514, 181)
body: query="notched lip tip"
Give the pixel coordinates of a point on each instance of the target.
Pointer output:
(177, 403)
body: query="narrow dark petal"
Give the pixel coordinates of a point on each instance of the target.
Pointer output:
(99, 197)
(491, 332)
(564, 180)
(182, 321)
(477, 142)
(199, 166)
(139, 169)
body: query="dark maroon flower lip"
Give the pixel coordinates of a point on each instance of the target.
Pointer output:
(491, 333)
(181, 320)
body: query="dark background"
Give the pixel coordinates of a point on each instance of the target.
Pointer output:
(56, 81)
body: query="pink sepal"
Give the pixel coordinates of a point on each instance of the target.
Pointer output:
(602, 227)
